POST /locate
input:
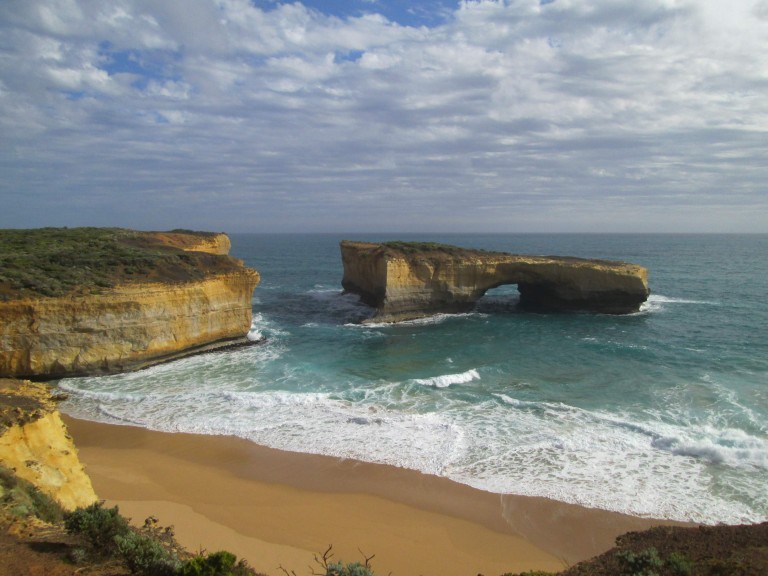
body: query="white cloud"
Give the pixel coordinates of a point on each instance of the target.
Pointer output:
(509, 112)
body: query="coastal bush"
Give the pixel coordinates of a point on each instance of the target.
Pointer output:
(530, 573)
(351, 569)
(679, 565)
(220, 563)
(45, 507)
(339, 568)
(643, 563)
(56, 261)
(417, 247)
(98, 525)
(145, 555)
(23, 498)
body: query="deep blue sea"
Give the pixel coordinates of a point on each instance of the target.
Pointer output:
(662, 413)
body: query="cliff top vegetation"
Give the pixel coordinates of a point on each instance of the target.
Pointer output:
(416, 248)
(59, 261)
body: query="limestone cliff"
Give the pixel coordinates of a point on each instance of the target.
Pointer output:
(407, 280)
(178, 303)
(208, 242)
(35, 444)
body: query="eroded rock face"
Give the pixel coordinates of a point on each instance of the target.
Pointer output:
(195, 242)
(405, 281)
(132, 324)
(35, 444)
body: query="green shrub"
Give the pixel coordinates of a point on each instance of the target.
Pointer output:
(530, 573)
(145, 555)
(45, 507)
(8, 478)
(58, 261)
(220, 563)
(643, 563)
(339, 568)
(98, 525)
(679, 564)
(25, 499)
(352, 569)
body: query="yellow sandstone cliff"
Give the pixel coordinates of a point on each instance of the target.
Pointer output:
(411, 280)
(34, 443)
(134, 323)
(194, 242)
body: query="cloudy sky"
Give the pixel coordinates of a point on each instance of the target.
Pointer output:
(385, 115)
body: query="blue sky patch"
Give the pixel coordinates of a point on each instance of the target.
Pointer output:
(428, 13)
(148, 65)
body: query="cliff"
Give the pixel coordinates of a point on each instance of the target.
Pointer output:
(208, 242)
(137, 299)
(411, 280)
(35, 444)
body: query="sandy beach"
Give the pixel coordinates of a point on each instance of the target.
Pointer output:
(281, 509)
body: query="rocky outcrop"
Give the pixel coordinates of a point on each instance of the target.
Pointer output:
(34, 443)
(208, 242)
(412, 280)
(134, 323)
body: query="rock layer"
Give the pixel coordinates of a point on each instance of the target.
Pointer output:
(130, 325)
(406, 281)
(35, 444)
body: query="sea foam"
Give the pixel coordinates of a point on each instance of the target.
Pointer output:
(448, 379)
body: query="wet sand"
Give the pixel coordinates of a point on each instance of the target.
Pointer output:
(281, 509)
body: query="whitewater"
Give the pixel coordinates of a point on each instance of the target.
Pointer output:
(662, 413)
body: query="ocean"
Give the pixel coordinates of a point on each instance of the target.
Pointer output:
(662, 413)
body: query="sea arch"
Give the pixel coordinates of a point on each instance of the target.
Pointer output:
(404, 280)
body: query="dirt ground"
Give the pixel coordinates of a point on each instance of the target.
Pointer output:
(33, 548)
(701, 551)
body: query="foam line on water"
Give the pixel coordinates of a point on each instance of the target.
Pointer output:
(446, 380)
(658, 303)
(426, 321)
(509, 445)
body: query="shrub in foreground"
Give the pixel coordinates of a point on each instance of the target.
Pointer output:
(145, 555)
(351, 569)
(98, 525)
(220, 563)
(24, 499)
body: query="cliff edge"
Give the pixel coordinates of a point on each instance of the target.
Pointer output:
(34, 443)
(407, 280)
(101, 300)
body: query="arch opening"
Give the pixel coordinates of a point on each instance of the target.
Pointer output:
(500, 298)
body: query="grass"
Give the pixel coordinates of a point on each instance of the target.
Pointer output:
(411, 248)
(22, 499)
(52, 262)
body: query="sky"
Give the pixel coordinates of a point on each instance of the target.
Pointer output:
(385, 115)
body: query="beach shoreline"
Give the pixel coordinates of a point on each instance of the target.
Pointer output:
(280, 509)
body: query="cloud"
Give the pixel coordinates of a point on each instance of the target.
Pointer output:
(502, 115)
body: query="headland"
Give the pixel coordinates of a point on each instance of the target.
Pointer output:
(85, 301)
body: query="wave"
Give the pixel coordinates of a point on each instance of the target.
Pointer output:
(730, 446)
(503, 445)
(426, 321)
(657, 302)
(448, 379)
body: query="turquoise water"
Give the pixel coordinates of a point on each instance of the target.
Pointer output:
(662, 413)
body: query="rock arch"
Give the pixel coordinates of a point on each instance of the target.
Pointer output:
(411, 280)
